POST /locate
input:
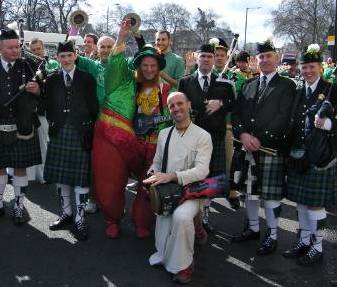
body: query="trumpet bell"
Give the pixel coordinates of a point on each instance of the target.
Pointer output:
(78, 18)
(135, 21)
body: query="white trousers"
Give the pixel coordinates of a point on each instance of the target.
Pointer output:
(36, 172)
(175, 237)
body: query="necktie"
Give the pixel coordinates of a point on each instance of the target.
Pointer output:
(68, 80)
(309, 93)
(9, 67)
(206, 85)
(263, 83)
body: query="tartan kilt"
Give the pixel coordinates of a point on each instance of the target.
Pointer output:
(21, 154)
(316, 187)
(272, 175)
(67, 162)
(218, 160)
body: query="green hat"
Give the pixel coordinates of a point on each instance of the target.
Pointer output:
(311, 55)
(148, 51)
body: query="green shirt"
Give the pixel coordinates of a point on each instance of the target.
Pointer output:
(96, 69)
(175, 67)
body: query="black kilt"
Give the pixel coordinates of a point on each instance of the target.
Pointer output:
(21, 154)
(218, 161)
(316, 187)
(270, 173)
(67, 162)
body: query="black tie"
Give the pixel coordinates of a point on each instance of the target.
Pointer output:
(309, 93)
(9, 67)
(263, 84)
(68, 80)
(206, 85)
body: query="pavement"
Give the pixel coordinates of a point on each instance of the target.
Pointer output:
(32, 255)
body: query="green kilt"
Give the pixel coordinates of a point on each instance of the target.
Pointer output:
(269, 172)
(316, 187)
(218, 160)
(21, 154)
(67, 162)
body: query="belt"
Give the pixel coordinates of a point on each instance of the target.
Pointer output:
(8, 128)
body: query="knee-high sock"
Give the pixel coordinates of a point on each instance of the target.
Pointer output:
(81, 195)
(20, 184)
(63, 191)
(3, 182)
(271, 211)
(252, 207)
(304, 223)
(316, 218)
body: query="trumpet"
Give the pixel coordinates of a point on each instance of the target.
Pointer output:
(135, 21)
(78, 19)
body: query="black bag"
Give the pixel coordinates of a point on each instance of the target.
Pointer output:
(319, 150)
(300, 165)
(8, 138)
(87, 135)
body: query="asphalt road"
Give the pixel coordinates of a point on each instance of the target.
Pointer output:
(32, 255)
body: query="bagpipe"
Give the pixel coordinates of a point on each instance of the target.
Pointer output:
(164, 198)
(319, 149)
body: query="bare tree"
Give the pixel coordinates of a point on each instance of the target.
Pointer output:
(303, 21)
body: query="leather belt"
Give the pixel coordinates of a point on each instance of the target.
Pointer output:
(8, 128)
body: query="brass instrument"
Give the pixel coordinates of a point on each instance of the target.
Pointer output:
(79, 19)
(135, 21)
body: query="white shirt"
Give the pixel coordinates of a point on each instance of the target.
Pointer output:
(5, 64)
(312, 86)
(202, 80)
(188, 155)
(70, 73)
(269, 77)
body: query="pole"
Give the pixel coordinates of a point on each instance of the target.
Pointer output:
(334, 47)
(244, 44)
(107, 21)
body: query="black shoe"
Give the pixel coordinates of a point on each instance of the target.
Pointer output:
(268, 245)
(2, 211)
(62, 221)
(298, 250)
(312, 256)
(246, 235)
(18, 217)
(80, 230)
(234, 202)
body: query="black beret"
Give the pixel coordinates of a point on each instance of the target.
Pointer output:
(8, 35)
(311, 55)
(206, 48)
(67, 46)
(243, 56)
(266, 46)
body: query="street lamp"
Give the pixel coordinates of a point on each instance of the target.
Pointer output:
(248, 8)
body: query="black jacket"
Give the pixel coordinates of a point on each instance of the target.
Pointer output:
(267, 118)
(222, 90)
(83, 105)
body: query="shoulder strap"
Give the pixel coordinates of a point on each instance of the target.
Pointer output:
(165, 156)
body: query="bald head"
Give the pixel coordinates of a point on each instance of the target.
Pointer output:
(179, 106)
(104, 45)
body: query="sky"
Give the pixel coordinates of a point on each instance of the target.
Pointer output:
(230, 11)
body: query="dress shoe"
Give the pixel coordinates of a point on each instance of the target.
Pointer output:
(312, 256)
(184, 276)
(62, 221)
(142, 233)
(18, 217)
(113, 231)
(80, 230)
(234, 202)
(246, 235)
(268, 246)
(2, 211)
(298, 250)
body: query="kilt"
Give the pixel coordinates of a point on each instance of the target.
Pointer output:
(269, 171)
(67, 162)
(316, 187)
(218, 160)
(21, 154)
